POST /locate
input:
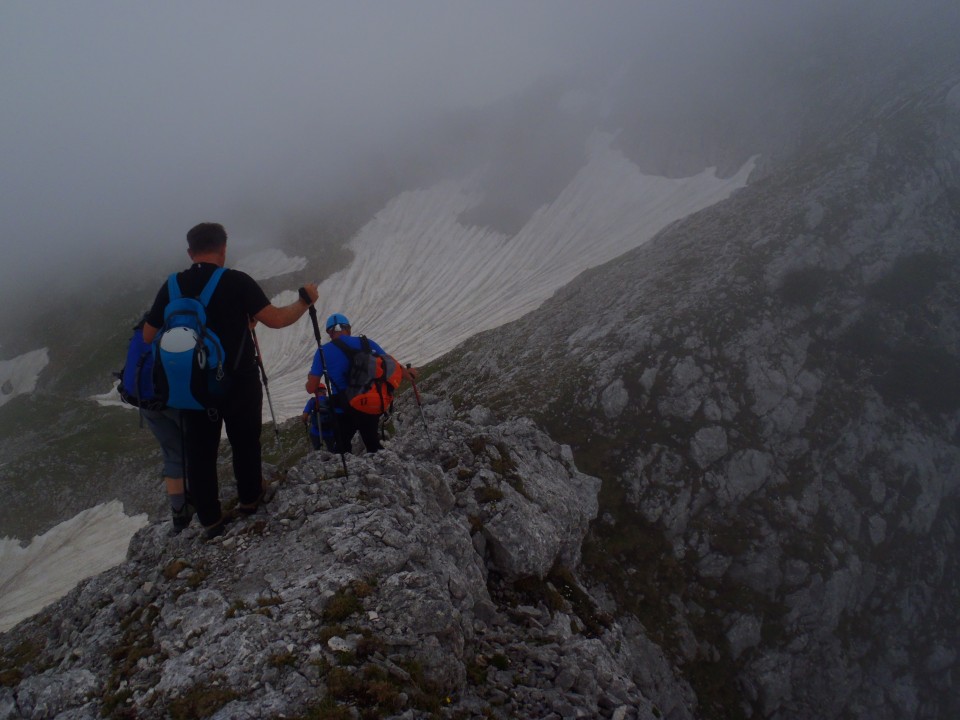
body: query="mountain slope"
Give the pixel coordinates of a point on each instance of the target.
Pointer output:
(769, 391)
(437, 580)
(420, 282)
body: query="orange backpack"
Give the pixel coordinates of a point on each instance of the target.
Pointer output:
(372, 378)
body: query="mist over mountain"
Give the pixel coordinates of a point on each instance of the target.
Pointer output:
(766, 391)
(769, 391)
(122, 131)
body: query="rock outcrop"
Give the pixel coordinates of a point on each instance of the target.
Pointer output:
(438, 579)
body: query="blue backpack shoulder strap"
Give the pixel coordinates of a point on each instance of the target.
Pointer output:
(211, 285)
(173, 287)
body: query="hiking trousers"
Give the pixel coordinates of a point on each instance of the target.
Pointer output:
(328, 442)
(240, 412)
(351, 421)
(165, 426)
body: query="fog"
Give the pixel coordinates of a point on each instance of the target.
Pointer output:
(126, 123)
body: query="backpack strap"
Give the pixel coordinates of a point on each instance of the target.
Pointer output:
(211, 285)
(349, 351)
(344, 348)
(173, 287)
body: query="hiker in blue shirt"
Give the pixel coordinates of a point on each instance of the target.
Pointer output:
(348, 421)
(318, 419)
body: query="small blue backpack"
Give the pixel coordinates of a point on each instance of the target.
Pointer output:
(136, 378)
(189, 361)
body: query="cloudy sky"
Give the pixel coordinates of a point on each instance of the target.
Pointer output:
(125, 123)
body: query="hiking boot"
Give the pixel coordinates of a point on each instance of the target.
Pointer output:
(248, 508)
(181, 519)
(266, 495)
(217, 529)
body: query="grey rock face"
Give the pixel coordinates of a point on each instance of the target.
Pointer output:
(50, 694)
(708, 444)
(439, 577)
(769, 391)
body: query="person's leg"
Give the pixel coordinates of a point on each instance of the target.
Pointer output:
(344, 432)
(180, 510)
(202, 445)
(315, 442)
(165, 426)
(369, 427)
(243, 420)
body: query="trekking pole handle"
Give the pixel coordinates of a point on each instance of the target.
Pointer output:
(416, 391)
(305, 296)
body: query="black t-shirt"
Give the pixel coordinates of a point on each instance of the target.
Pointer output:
(237, 298)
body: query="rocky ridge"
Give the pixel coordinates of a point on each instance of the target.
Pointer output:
(769, 391)
(438, 580)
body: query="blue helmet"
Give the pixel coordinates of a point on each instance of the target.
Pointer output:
(337, 319)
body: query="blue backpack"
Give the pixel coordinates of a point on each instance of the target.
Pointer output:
(321, 417)
(136, 378)
(189, 361)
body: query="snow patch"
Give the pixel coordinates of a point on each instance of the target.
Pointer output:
(421, 282)
(49, 567)
(111, 398)
(19, 375)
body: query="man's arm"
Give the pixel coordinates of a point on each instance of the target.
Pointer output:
(280, 317)
(149, 332)
(313, 382)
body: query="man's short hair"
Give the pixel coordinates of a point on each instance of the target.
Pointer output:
(206, 236)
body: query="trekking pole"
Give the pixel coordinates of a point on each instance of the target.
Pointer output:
(316, 414)
(323, 364)
(306, 429)
(266, 387)
(416, 394)
(314, 417)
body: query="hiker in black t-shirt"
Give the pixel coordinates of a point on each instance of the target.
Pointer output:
(237, 304)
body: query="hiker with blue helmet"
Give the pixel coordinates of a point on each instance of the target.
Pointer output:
(337, 357)
(236, 304)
